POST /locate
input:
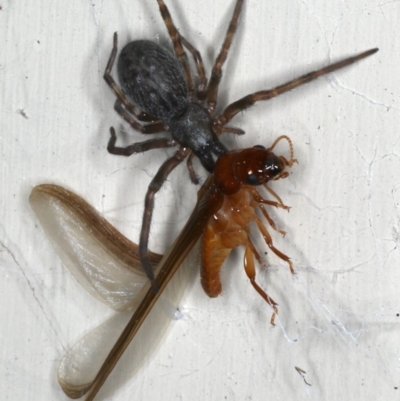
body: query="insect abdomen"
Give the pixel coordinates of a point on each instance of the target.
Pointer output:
(213, 255)
(226, 230)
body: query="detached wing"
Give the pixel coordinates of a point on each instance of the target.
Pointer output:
(103, 261)
(141, 332)
(107, 265)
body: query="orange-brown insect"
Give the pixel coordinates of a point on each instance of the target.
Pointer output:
(235, 177)
(68, 219)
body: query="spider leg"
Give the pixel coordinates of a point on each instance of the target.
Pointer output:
(192, 173)
(249, 100)
(178, 48)
(250, 270)
(201, 87)
(216, 74)
(152, 128)
(117, 90)
(154, 187)
(268, 241)
(231, 130)
(138, 147)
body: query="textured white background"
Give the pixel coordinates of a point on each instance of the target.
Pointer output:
(339, 316)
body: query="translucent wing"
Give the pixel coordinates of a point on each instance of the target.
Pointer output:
(83, 360)
(103, 261)
(81, 364)
(141, 326)
(89, 246)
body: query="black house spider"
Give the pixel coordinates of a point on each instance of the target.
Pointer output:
(157, 88)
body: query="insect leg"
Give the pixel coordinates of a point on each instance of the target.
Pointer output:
(256, 254)
(258, 199)
(251, 274)
(216, 74)
(276, 196)
(249, 100)
(154, 187)
(178, 48)
(268, 241)
(270, 220)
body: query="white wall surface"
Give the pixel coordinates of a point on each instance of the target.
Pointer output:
(339, 316)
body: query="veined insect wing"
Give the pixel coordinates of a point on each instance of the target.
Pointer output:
(102, 260)
(87, 244)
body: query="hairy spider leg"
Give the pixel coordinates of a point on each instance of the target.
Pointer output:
(247, 101)
(203, 91)
(216, 74)
(155, 185)
(198, 61)
(153, 128)
(177, 43)
(137, 147)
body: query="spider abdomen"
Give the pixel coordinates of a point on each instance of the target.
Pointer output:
(153, 79)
